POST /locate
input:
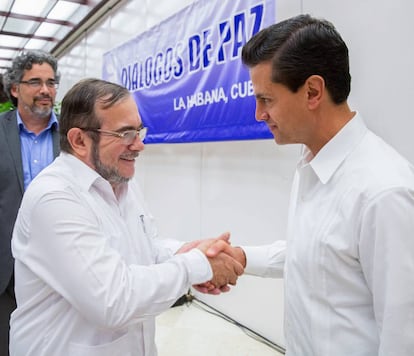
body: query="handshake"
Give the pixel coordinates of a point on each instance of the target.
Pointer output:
(227, 262)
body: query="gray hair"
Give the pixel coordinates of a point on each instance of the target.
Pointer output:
(24, 62)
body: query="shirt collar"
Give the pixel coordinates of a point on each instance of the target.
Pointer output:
(89, 178)
(52, 121)
(330, 157)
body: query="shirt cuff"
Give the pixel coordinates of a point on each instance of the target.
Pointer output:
(266, 260)
(256, 260)
(198, 266)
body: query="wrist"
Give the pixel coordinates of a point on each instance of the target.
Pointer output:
(240, 256)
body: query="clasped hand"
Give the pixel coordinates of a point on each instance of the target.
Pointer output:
(227, 263)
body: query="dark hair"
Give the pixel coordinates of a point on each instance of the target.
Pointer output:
(3, 96)
(78, 106)
(23, 62)
(300, 47)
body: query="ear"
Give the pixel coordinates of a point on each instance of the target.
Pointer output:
(14, 90)
(79, 141)
(315, 87)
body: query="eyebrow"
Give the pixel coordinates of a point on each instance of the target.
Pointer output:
(37, 78)
(127, 128)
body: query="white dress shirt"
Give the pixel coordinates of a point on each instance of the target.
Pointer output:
(349, 260)
(90, 277)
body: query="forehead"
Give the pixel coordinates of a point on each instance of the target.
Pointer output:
(123, 113)
(43, 70)
(261, 76)
(261, 70)
(263, 86)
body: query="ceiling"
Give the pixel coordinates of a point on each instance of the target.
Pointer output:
(48, 25)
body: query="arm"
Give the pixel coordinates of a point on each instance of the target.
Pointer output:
(225, 269)
(59, 238)
(387, 259)
(266, 260)
(263, 261)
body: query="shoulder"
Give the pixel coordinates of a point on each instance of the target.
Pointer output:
(53, 182)
(376, 164)
(8, 122)
(7, 117)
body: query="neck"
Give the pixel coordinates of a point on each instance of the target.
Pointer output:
(328, 124)
(34, 123)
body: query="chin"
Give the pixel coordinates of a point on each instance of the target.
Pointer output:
(127, 177)
(45, 112)
(277, 138)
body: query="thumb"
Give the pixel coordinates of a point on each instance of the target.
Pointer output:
(225, 236)
(218, 247)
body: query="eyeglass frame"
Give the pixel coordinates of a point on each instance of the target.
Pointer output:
(141, 132)
(37, 83)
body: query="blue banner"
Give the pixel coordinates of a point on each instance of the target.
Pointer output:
(186, 73)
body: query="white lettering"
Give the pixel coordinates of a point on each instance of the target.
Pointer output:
(180, 105)
(201, 98)
(241, 89)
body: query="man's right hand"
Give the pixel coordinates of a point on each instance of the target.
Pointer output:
(226, 269)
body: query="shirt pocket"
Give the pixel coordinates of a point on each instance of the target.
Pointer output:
(121, 346)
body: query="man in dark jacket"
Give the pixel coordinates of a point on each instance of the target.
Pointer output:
(28, 143)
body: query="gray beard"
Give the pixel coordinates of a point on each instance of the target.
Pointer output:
(40, 113)
(111, 174)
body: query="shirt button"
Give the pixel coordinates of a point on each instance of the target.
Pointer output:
(35, 161)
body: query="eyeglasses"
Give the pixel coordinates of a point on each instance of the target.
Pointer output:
(38, 83)
(127, 137)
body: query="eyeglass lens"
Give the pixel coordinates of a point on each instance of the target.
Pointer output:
(129, 136)
(37, 83)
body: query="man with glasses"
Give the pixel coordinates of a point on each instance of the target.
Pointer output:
(90, 274)
(29, 141)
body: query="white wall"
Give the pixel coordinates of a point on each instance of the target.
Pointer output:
(243, 187)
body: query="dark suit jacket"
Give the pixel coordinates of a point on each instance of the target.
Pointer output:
(11, 188)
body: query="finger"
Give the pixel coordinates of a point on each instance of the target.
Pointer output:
(188, 246)
(232, 280)
(225, 237)
(215, 291)
(204, 243)
(201, 289)
(209, 285)
(238, 268)
(238, 271)
(217, 247)
(225, 289)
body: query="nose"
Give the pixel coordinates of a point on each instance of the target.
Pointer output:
(261, 115)
(44, 88)
(137, 145)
